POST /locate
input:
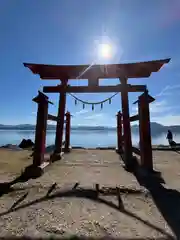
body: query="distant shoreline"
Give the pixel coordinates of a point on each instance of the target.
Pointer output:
(49, 128)
(156, 128)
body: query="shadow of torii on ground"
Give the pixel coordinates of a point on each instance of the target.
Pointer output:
(166, 200)
(90, 194)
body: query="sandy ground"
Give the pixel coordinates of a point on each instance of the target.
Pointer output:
(66, 212)
(12, 163)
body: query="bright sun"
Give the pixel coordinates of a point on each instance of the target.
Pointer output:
(104, 51)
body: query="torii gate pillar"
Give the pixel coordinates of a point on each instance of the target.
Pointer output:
(126, 124)
(145, 132)
(41, 125)
(67, 133)
(60, 123)
(119, 132)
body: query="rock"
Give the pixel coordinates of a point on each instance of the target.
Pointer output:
(51, 148)
(12, 147)
(26, 143)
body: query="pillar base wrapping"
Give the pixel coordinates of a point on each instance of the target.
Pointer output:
(120, 151)
(67, 150)
(56, 156)
(33, 171)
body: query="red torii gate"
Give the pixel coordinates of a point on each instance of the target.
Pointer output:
(93, 74)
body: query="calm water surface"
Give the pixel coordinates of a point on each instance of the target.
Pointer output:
(83, 138)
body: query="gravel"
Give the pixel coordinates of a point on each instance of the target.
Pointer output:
(78, 212)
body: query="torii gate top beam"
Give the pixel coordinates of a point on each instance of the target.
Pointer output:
(128, 70)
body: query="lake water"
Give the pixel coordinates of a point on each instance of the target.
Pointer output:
(83, 138)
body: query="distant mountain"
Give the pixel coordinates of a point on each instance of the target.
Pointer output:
(17, 127)
(155, 128)
(50, 127)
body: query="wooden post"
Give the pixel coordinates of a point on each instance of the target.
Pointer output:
(97, 189)
(119, 132)
(67, 134)
(145, 132)
(60, 123)
(126, 124)
(120, 202)
(41, 125)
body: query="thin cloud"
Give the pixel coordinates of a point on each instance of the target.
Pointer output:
(167, 120)
(83, 111)
(155, 107)
(168, 90)
(94, 116)
(95, 119)
(158, 108)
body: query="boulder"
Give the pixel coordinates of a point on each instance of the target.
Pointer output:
(12, 147)
(26, 143)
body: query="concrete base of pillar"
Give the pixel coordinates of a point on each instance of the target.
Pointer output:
(144, 172)
(35, 171)
(56, 156)
(67, 150)
(150, 171)
(130, 164)
(119, 151)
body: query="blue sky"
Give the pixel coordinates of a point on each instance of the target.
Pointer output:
(67, 32)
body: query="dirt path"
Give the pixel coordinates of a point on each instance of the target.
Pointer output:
(77, 212)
